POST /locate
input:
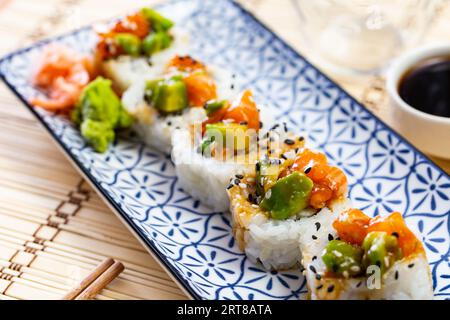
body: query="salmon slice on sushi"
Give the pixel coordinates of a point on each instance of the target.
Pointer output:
(290, 183)
(351, 256)
(174, 99)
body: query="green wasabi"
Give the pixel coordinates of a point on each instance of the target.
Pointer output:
(98, 113)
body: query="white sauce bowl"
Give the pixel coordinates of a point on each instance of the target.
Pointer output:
(427, 132)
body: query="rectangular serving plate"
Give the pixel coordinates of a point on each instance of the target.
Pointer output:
(195, 245)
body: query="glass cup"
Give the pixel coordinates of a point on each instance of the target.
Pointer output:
(352, 37)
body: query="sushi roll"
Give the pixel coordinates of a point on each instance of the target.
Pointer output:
(225, 145)
(348, 255)
(138, 45)
(267, 204)
(175, 99)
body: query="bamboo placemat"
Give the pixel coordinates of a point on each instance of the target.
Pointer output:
(53, 227)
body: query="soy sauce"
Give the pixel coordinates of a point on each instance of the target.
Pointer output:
(426, 86)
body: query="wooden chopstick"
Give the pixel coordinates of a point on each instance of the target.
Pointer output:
(101, 282)
(98, 279)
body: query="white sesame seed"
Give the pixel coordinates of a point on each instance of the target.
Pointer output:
(337, 253)
(242, 185)
(355, 268)
(268, 194)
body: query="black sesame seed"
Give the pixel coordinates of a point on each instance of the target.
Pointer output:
(258, 166)
(313, 269)
(318, 276)
(395, 234)
(317, 226)
(237, 181)
(359, 284)
(410, 265)
(330, 237)
(320, 286)
(308, 170)
(284, 157)
(396, 275)
(378, 264)
(239, 176)
(169, 123)
(274, 127)
(177, 128)
(285, 128)
(229, 186)
(233, 75)
(289, 142)
(296, 150)
(314, 258)
(260, 124)
(330, 288)
(232, 86)
(243, 123)
(301, 139)
(314, 237)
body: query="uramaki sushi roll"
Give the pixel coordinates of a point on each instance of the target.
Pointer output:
(174, 99)
(138, 45)
(225, 145)
(352, 256)
(290, 183)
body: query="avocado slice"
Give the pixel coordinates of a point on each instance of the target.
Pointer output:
(213, 106)
(288, 196)
(167, 95)
(130, 43)
(156, 42)
(380, 249)
(343, 258)
(157, 21)
(267, 172)
(229, 130)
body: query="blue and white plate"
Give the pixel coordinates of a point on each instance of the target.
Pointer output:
(196, 245)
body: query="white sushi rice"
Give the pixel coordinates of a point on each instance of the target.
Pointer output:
(203, 178)
(275, 243)
(401, 281)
